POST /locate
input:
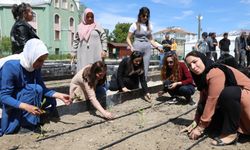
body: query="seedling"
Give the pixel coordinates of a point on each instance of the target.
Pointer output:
(141, 118)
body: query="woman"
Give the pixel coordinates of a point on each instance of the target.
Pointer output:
(22, 88)
(142, 33)
(21, 31)
(90, 44)
(130, 72)
(224, 99)
(88, 84)
(177, 80)
(173, 45)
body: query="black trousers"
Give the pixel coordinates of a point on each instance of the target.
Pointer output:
(184, 90)
(227, 114)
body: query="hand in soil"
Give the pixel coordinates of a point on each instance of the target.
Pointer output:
(108, 115)
(189, 128)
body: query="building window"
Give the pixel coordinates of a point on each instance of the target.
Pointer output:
(72, 39)
(57, 19)
(57, 51)
(71, 22)
(57, 35)
(56, 3)
(64, 4)
(71, 7)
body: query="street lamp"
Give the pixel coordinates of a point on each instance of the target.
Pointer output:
(199, 17)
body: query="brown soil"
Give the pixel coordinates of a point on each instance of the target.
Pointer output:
(70, 134)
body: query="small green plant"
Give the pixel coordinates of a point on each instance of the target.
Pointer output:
(141, 118)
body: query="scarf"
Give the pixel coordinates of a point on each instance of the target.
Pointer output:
(33, 49)
(85, 29)
(200, 80)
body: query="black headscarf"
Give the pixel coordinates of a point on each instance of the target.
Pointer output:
(200, 80)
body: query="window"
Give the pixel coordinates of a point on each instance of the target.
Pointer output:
(57, 35)
(57, 19)
(72, 39)
(64, 4)
(57, 50)
(71, 22)
(56, 3)
(71, 7)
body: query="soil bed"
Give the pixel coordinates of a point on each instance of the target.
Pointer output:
(74, 131)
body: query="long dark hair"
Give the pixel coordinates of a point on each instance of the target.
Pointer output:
(19, 10)
(90, 75)
(131, 68)
(142, 11)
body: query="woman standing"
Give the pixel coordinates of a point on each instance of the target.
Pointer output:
(22, 89)
(90, 44)
(130, 72)
(86, 84)
(224, 105)
(142, 33)
(177, 80)
(21, 31)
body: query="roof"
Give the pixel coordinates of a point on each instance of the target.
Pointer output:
(174, 30)
(118, 44)
(31, 2)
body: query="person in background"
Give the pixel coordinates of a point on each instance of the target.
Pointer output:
(90, 42)
(130, 72)
(240, 48)
(177, 80)
(248, 50)
(224, 106)
(214, 43)
(21, 31)
(166, 44)
(88, 83)
(224, 44)
(142, 33)
(173, 45)
(22, 89)
(202, 45)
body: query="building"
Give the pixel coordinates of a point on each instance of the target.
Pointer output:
(118, 50)
(180, 35)
(55, 21)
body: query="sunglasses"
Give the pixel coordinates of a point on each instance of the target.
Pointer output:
(145, 16)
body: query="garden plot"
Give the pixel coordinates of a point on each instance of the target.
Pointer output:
(139, 125)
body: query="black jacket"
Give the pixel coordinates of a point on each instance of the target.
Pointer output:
(124, 79)
(20, 33)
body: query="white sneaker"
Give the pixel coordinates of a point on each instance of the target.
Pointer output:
(172, 101)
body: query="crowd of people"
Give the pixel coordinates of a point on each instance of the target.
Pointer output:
(223, 108)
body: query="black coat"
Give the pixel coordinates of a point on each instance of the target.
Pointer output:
(20, 33)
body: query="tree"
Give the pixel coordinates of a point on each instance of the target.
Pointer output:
(120, 32)
(5, 45)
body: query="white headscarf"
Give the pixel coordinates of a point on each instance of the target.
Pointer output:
(33, 49)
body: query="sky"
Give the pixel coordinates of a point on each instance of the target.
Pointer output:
(218, 15)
